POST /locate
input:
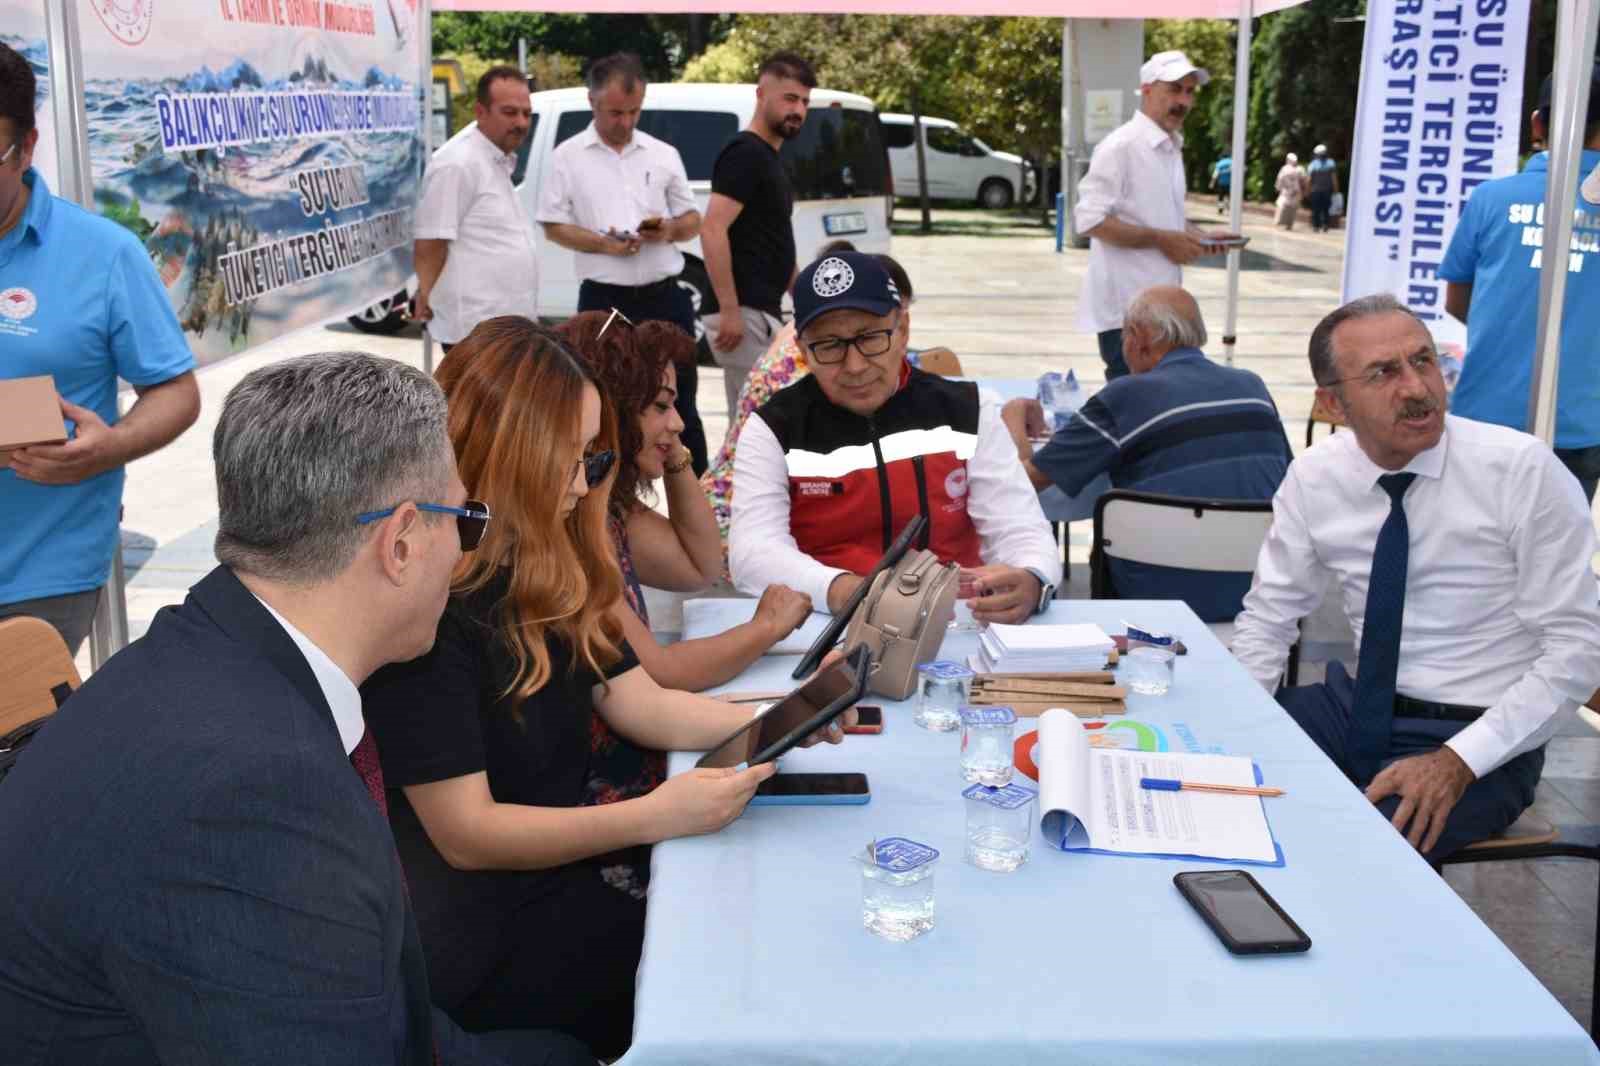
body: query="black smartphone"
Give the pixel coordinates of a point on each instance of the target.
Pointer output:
(869, 719)
(811, 790)
(1239, 911)
(799, 714)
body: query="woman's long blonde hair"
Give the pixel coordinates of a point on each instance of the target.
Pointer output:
(516, 399)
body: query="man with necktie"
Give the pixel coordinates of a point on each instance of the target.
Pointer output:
(191, 869)
(1462, 552)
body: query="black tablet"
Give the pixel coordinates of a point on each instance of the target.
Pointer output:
(830, 636)
(799, 714)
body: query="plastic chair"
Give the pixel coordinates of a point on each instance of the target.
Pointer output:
(1192, 533)
(1321, 414)
(941, 361)
(39, 671)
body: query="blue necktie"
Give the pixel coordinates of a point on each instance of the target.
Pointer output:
(1372, 716)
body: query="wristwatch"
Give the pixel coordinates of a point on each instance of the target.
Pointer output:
(1047, 591)
(684, 458)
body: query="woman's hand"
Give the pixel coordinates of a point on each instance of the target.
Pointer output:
(782, 610)
(704, 800)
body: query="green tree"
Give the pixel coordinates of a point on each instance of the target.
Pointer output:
(662, 42)
(1007, 75)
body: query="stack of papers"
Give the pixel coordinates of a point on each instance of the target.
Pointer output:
(1004, 649)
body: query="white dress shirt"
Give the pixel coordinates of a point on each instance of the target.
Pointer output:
(594, 186)
(1136, 174)
(344, 699)
(1001, 502)
(1501, 604)
(493, 266)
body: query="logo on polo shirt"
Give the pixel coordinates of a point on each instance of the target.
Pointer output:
(17, 304)
(955, 483)
(833, 278)
(128, 20)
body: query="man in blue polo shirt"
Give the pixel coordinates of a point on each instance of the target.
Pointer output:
(79, 301)
(1492, 270)
(1180, 425)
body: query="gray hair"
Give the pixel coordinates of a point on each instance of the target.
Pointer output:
(1167, 326)
(1323, 372)
(306, 445)
(618, 65)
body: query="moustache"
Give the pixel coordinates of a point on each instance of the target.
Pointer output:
(1417, 409)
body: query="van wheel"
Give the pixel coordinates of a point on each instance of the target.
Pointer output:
(704, 300)
(995, 194)
(385, 316)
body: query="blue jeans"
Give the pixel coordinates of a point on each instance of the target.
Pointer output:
(1111, 353)
(1585, 466)
(1490, 803)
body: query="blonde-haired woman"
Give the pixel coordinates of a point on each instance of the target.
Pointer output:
(485, 740)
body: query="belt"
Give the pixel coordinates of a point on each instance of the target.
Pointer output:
(1406, 707)
(669, 280)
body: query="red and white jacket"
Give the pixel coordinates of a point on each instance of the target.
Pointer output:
(819, 490)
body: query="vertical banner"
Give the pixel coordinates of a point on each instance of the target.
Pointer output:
(266, 152)
(1440, 113)
(22, 28)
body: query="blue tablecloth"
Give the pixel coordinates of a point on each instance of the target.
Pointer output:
(1058, 506)
(754, 950)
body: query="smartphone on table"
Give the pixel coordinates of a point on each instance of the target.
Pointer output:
(818, 789)
(1245, 918)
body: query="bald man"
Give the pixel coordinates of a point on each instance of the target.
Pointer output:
(1179, 424)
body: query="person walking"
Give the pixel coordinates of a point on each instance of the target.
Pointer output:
(1322, 177)
(1291, 185)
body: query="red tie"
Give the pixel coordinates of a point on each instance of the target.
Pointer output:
(365, 760)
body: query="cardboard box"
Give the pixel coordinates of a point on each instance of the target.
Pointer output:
(30, 413)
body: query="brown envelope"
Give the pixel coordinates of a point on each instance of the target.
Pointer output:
(29, 414)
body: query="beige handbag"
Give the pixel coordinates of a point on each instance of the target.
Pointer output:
(904, 619)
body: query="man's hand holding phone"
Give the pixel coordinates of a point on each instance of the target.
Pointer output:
(653, 230)
(622, 243)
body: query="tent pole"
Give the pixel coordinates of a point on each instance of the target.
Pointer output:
(1241, 111)
(425, 80)
(1575, 41)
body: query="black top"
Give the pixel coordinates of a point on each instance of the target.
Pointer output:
(444, 716)
(761, 238)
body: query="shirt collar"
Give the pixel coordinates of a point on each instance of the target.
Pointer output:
(1428, 464)
(344, 699)
(1539, 163)
(508, 160)
(591, 139)
(36, 218)
(1154, 135)
(1180, 355)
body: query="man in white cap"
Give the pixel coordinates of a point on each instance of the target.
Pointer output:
(1130, 204)
(1323, 177)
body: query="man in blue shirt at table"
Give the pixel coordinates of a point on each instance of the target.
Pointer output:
(80, 302)
(1492, 273)
(1180, 424)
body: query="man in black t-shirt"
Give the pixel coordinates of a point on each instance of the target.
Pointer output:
(747, 238)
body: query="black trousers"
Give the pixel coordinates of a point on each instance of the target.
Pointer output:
(1320, 202)
(665, 301)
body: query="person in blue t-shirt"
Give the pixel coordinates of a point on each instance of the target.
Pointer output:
(1323, 177)
(1492, 271)
(1222, 180)
(80, 302)
(1179, 425)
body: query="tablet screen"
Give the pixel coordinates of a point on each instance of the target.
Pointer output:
(782, 717)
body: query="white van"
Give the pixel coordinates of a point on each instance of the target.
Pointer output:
(838, 164)
(960, 167)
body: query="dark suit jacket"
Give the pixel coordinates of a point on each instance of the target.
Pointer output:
(192, 873)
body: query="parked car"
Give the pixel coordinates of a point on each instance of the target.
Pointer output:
(960, 167)
(838, 163)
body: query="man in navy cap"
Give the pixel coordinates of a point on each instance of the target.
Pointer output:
(833, 467)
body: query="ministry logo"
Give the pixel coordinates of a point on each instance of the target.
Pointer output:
(832, 278)
(128, 20)
(17, 304)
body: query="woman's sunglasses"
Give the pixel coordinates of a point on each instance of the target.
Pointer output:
(597, 466)
(472, 517)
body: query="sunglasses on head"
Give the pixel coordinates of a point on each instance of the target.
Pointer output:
(472, 518)
(615, 314)
(597, 466)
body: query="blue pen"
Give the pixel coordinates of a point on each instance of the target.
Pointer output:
(1167, 784)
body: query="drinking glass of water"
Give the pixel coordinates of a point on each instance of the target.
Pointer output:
(1149, 670)
(966, 588)
(897, 888)
(999, 826)
(987, 739)
(943, 687)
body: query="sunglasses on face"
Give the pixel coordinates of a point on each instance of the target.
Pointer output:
(472, 519)
(597, 466)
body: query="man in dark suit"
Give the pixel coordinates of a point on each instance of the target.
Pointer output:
(191, 870)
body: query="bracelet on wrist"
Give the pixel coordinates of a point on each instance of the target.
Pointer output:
(683, 460)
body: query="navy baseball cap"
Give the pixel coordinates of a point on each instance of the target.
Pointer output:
(841, 281)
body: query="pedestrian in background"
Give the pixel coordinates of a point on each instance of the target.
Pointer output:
(1222, 181)
(1291, 185)
(1322, 178)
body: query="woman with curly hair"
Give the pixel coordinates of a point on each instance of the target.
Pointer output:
(485, 741)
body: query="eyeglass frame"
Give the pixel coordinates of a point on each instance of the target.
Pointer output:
(615, 314)
(597, 466)
(472, 519)
(8, 152)
(855, 342)
(1389, 371)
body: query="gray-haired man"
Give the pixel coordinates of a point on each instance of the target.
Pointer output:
(230, 891)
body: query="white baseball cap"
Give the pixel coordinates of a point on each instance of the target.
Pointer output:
(1291, 158)
(1320, 149)
(1170, 66)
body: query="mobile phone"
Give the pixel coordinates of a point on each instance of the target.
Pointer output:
(811, 790)
(1239, 911)
(650, 223)
(1230, 242)
(828, 694)
(869, 719)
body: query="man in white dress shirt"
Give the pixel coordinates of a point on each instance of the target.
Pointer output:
(620, 199)
(1462, 552)
(474, 247)
(1130, 205)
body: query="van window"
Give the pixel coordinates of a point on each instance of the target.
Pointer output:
(837, 154)
(521, 169)
(945, 139)
(897, 134)
(699, 136)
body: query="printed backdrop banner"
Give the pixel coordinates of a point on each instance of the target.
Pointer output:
(267, 153)
(1439, 113)
(22, 27)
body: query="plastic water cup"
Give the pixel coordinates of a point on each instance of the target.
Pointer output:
(988, 735)
(943, 688)
(897, 888)
(1149, 671)
(999, 826)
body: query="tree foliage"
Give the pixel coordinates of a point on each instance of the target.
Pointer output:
(662, 42)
